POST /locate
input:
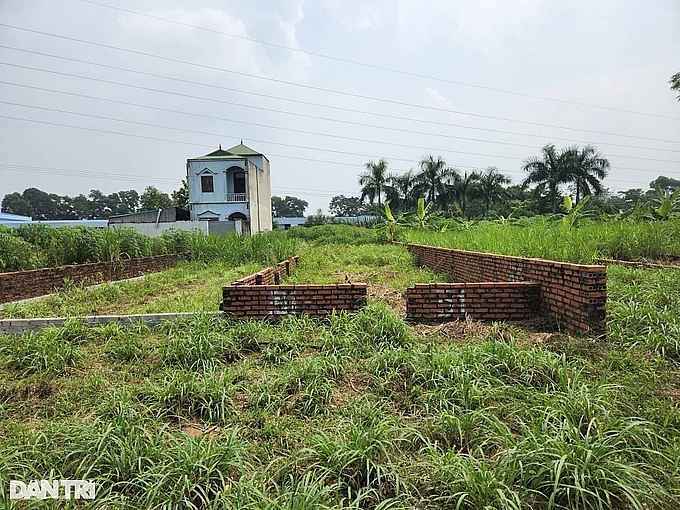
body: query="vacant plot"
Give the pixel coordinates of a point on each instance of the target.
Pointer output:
(358, 411)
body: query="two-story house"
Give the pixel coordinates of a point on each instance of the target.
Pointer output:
(229, 185)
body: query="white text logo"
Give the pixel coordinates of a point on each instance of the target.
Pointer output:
(51, 489)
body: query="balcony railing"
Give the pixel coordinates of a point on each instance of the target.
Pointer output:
(237, 197)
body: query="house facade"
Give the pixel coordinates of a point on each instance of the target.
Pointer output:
(231, 185)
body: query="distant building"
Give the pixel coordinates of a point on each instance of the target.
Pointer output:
(169, 214)
(286, 223)
(14, 220)
(231, 185)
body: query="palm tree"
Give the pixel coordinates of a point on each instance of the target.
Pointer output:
(588, 167)
(400, 190)
(675, 83)
(465, 188)
(548, 172)
(491, 187)
(434, 178)
(373, 181)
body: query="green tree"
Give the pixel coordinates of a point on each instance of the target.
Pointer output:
(346, 206)
(373, 181)
(400, 191)
(587, 168)
(667, 184)
(675, 83)
(464, 189)
(43, 205)
(15, 203)
(180, 196)
(81, 207)
(288, 207)
(434, 179)
(126, 201)
(548, 172)
(153, 198)
(491, 187)
(99, 205)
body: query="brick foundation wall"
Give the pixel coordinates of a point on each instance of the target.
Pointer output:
(270, 275)
(260, 295)
(38, 282)
(267, 301)
(573, 294)
(429, 302)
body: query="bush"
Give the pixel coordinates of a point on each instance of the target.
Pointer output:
(17, 255)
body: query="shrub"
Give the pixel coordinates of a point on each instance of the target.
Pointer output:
(17, 255)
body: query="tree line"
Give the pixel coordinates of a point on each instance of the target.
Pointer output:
(41, 205)
(482, 193)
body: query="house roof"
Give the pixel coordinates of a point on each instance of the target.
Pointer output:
(239, 151)
(243, 150)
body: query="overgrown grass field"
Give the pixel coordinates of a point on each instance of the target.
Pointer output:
(547, 238)
(359, 411)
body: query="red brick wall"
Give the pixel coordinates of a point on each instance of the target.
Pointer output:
(266, 301)
(481, 301)
(269, 275)
(38, 282)
(573, 294)
(260, 295)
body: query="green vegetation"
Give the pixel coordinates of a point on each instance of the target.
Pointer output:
(555, 240)
(36, 245)
(359, 411)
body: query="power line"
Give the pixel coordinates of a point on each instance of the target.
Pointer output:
(147, 179)
(147, 124)
(297, 101)
(320, 89)
(382, 68)
(283, 156)
(127, 177)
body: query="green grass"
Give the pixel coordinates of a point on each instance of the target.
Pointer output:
(548, 239)
(190, 286)
(356, 411)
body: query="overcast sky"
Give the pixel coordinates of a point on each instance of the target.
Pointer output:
(117, 95)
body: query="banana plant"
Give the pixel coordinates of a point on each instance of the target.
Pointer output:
(422, 218)
(667, 207)
(390, 225)
(574, 214)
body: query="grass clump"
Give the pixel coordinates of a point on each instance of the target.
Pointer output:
(49, 352)
(547, 239)
(643, 309)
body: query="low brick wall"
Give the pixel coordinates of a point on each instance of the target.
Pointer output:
(429, 302)
(573, 294)
(260, 295)
(268, 301)
(270, 275)
(38, 282)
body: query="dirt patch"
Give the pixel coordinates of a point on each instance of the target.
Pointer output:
(349, 387)
(384, 293)
(33, 392)
(669, 392)
(526, 333)
(394, 298)
(467, 329)
(669, 262)
(195, 429)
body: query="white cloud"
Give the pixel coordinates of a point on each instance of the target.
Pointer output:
(439, 100)
(201, 35)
